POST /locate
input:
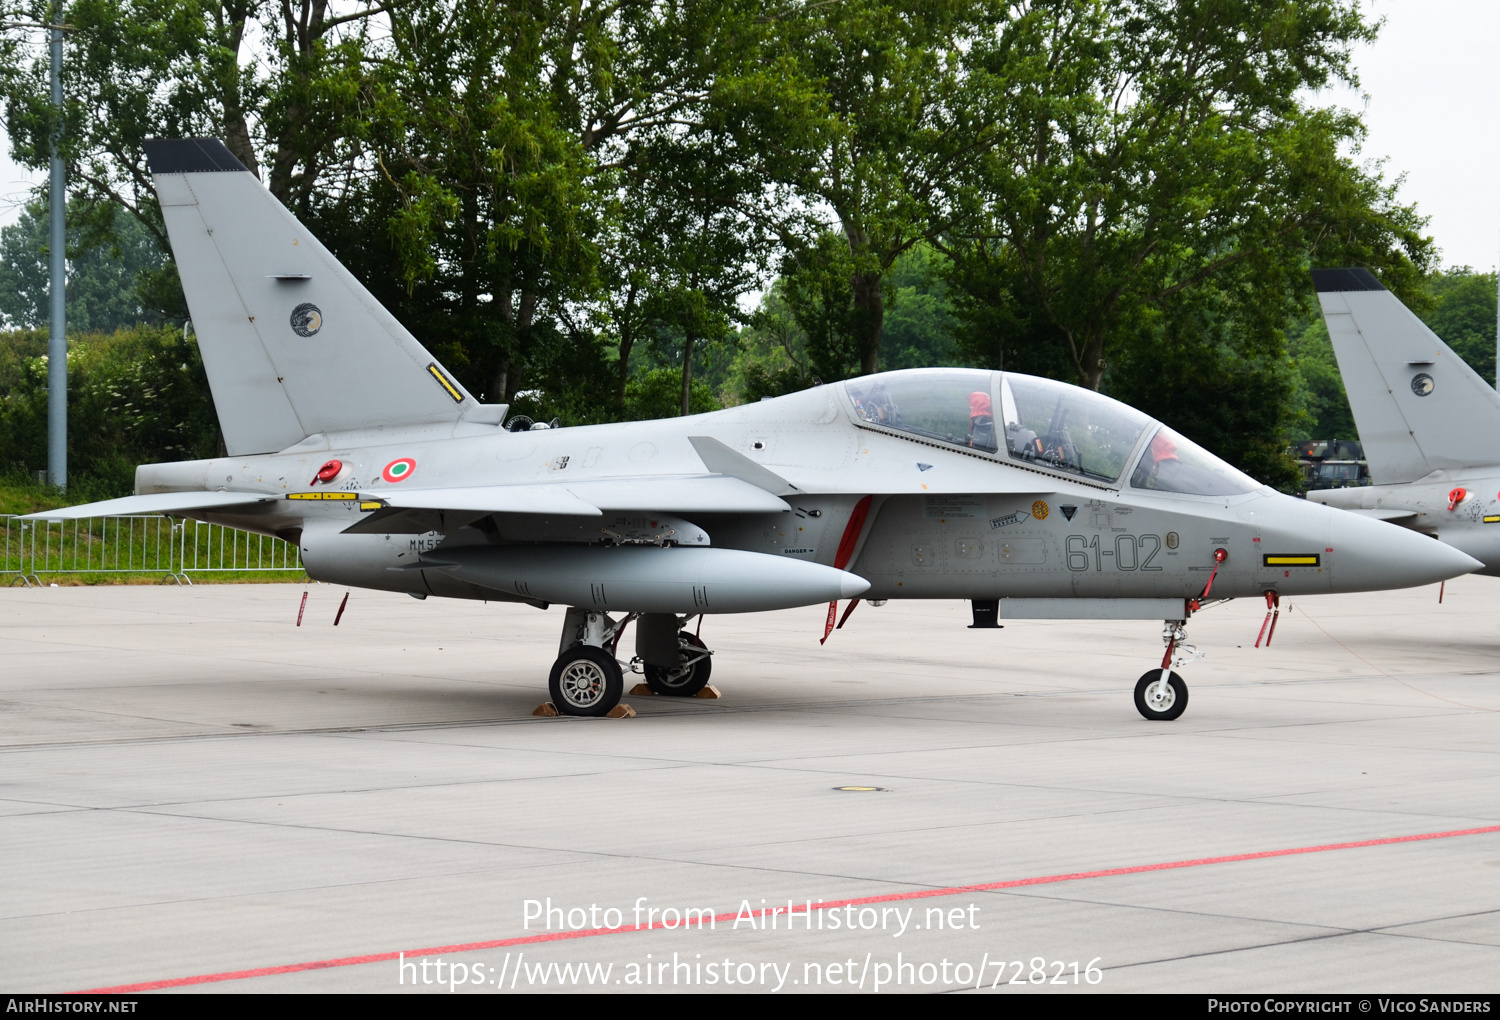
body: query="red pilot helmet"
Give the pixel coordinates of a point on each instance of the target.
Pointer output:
(1162, 447)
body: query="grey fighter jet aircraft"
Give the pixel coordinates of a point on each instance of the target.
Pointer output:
(1032, 498)
(1430, 426)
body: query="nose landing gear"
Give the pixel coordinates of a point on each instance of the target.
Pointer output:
(1161, 694)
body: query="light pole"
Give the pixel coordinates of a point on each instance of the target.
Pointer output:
(57, 338)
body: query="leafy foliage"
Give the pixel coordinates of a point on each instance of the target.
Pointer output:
(110, 279)
(1157, 164)
(135, 396)
(1462, 312)
(1325, 405)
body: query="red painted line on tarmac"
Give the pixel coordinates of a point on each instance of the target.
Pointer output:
(919, 894)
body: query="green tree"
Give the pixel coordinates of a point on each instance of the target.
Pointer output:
(545, 174)
(691, 251)
(135, 395)
(480, 222)
(657, 393)
(860, 108)
(919, 322)
(1158, 162)
(1321, 391)
(1462, 312)
(771, 352)
(105, 281)
(138, 69)
(1201, 374)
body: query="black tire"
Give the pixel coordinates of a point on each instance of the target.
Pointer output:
(585, 681)
(687, 680)
(1150, 708)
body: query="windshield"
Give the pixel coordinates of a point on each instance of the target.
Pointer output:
(953, 405)
(1068, 428)
(1037, 421)
(1172, 463)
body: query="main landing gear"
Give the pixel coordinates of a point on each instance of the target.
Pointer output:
(689, 676)
(588, 680)
(1160, 694)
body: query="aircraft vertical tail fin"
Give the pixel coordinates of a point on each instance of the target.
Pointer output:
(292, 343)
(1418, 406)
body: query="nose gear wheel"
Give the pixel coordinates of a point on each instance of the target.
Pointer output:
(1160, 700)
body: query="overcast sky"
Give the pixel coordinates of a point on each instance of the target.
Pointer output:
(1433, 82)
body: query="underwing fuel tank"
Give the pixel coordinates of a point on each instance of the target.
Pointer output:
(644, 579)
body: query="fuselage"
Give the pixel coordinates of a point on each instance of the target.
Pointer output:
(1470, 522)
(950, 514)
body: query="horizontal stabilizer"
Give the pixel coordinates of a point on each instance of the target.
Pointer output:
(154, 503)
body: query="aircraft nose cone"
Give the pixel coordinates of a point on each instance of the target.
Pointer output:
(852, 584)
(1373, 555)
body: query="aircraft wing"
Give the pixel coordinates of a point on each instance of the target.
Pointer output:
(432, 509)
(1394, 515)
(703, 494)
(152, 503)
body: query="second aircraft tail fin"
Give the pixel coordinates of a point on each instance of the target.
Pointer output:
(1418, 406)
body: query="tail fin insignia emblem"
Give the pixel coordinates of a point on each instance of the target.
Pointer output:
(307, 319)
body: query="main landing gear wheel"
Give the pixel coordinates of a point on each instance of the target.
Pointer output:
(687, 680)
(586, 681)
(1160, 701)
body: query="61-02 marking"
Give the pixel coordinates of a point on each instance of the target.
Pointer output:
(1130, 552)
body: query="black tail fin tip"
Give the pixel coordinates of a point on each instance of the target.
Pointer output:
(1328, 281)
(190, 156)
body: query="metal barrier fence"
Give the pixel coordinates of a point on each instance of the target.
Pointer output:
(175, 549)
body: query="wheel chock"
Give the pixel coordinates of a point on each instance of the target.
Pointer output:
(641, 691)
(709, 691)
(546, 709)
(620, 712)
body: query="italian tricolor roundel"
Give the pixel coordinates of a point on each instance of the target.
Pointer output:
(399, 470)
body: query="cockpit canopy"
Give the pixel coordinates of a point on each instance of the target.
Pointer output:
(1043, 423)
